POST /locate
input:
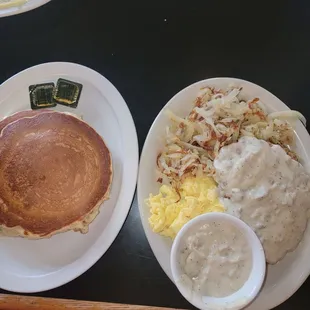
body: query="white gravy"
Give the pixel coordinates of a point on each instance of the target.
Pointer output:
(217, 259)
(264, 187)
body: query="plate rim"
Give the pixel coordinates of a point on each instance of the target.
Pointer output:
(302, 132)
(28, 6)
(129, 176)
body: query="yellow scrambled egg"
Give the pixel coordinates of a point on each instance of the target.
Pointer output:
(169, 212)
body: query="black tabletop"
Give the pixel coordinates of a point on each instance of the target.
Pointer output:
(150, 50)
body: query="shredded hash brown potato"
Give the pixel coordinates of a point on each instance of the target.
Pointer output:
(218, 118)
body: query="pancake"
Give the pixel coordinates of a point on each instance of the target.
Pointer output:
(55, 172)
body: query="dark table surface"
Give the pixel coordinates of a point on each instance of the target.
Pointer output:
(150, 50)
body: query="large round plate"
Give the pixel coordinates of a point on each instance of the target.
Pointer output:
(30, 5)
(32, 266)
(284, 278)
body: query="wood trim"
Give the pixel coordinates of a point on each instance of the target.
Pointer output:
(15, 302)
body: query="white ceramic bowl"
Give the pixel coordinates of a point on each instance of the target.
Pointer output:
(247, 292)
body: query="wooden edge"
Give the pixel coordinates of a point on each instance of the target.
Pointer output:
(15, 302)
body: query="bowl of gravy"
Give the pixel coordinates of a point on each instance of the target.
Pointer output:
(218, 262)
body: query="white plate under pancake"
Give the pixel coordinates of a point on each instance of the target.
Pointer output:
(38, 265)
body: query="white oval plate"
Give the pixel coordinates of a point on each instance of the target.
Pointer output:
(284, 278)
(38, 265)
(28, 6)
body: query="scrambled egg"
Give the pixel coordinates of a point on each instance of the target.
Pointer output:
(169, 211)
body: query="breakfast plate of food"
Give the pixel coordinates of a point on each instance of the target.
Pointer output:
(228, 146)
(69, 163)
(13, 7)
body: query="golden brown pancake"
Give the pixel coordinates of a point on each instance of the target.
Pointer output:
(55, 172)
